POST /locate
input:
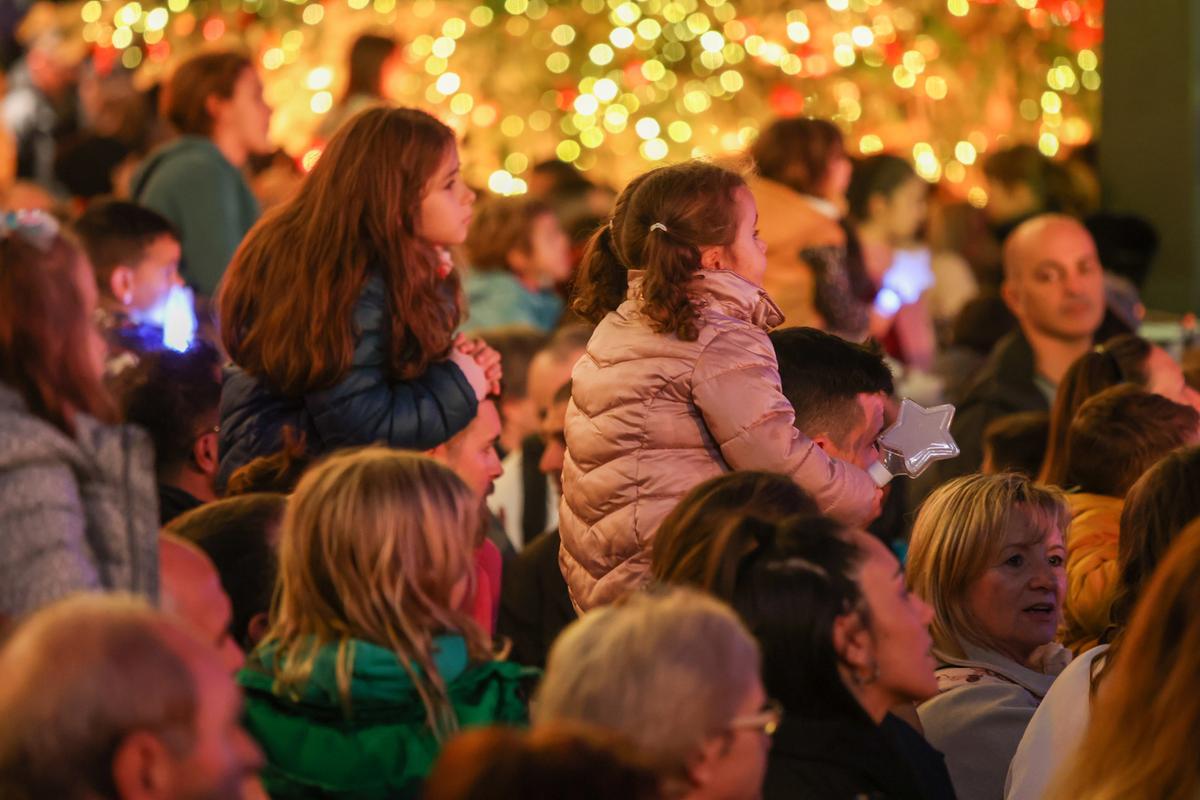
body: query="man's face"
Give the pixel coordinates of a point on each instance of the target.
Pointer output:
(858, 444)
(551, 464)
(547, 375)
(156, 275)
(193, 592)
(1055, 284)
(472, 452)
(223, 757)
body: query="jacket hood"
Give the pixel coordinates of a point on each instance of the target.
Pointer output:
(724, 292)
(197, 146)
(27, 439)
(377, 678)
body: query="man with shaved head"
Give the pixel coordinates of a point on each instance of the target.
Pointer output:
(1054, 286)
(104, 697)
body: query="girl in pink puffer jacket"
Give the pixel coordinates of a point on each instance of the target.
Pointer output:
(679, 382)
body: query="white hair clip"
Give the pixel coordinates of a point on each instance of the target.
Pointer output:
(658, 226)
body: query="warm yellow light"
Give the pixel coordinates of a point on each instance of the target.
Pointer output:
(313, 14)
(955, 172)
(562, 35)
(558, 63)
(482, 16)
(273, 59)
(914, 62)
(647, 128)
(649, 29)
(319, 78)
(679, 131)
(732, 81)
(122, 38)
(964, 151)
(976, 195)
(870, 144)
(592, 138)
(958, 8)
(712, 42)
(935, 87)
(1087, 60)
(500, 182)
(1048, 144)
(568, 150)
(1051, 102)
(843, 55)
(443, 47)
(903, 78)
(321, 102)
(512, 126)
(621, 38)
(587, 104)
(91, 11)
(516, 163)
(309, 159)
(454, 27)
(838, 5)
(862, 36)
(653, 70)
(462, 103)
(157, 19)
(601, 54)
(654, 150)
(448, 83)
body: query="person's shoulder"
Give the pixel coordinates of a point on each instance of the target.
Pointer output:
(184, 164)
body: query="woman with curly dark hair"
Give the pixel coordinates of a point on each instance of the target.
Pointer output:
(679, 382)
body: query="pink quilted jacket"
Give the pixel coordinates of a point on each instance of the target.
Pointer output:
(652, 416)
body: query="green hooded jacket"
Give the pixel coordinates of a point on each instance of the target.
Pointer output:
(384, 748)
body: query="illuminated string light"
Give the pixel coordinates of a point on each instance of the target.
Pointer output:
(611, 84)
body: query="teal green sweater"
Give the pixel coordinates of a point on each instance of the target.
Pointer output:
(384, 748)
(193, 185)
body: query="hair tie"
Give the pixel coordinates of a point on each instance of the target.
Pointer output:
(658, 226)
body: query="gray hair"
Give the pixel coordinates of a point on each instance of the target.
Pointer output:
(666, 670)
(79, 676)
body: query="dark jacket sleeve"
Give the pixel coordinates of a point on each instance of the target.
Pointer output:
(366, 407)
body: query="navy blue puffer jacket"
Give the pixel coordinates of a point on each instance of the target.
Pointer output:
(364, 408)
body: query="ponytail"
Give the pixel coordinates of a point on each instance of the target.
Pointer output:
(603, 278)
(670, 264)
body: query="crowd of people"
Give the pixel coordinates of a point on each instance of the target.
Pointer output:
(571, 495)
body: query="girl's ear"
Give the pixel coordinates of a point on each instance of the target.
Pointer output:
(712, 257)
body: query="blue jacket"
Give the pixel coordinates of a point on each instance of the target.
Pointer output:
(192, 184)
(365, 407)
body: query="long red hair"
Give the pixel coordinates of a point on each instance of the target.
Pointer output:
(46, 335)
(287, 301)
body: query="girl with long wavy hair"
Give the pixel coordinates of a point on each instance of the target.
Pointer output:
(1141, 744)
(679, 383)
(339, 310)
(370, 663)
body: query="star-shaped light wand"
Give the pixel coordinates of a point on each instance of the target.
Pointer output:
(917, 438)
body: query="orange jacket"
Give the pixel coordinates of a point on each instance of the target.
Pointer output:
(1091, 568)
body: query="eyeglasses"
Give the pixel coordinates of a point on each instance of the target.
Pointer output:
(765, 721)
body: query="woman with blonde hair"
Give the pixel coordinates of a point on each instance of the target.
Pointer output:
(987, 554)
(370, 663)
(1141, 744)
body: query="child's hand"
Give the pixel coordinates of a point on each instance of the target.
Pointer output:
(485, 356)
(473, 372)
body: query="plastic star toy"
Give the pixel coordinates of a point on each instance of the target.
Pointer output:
(917, 438)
